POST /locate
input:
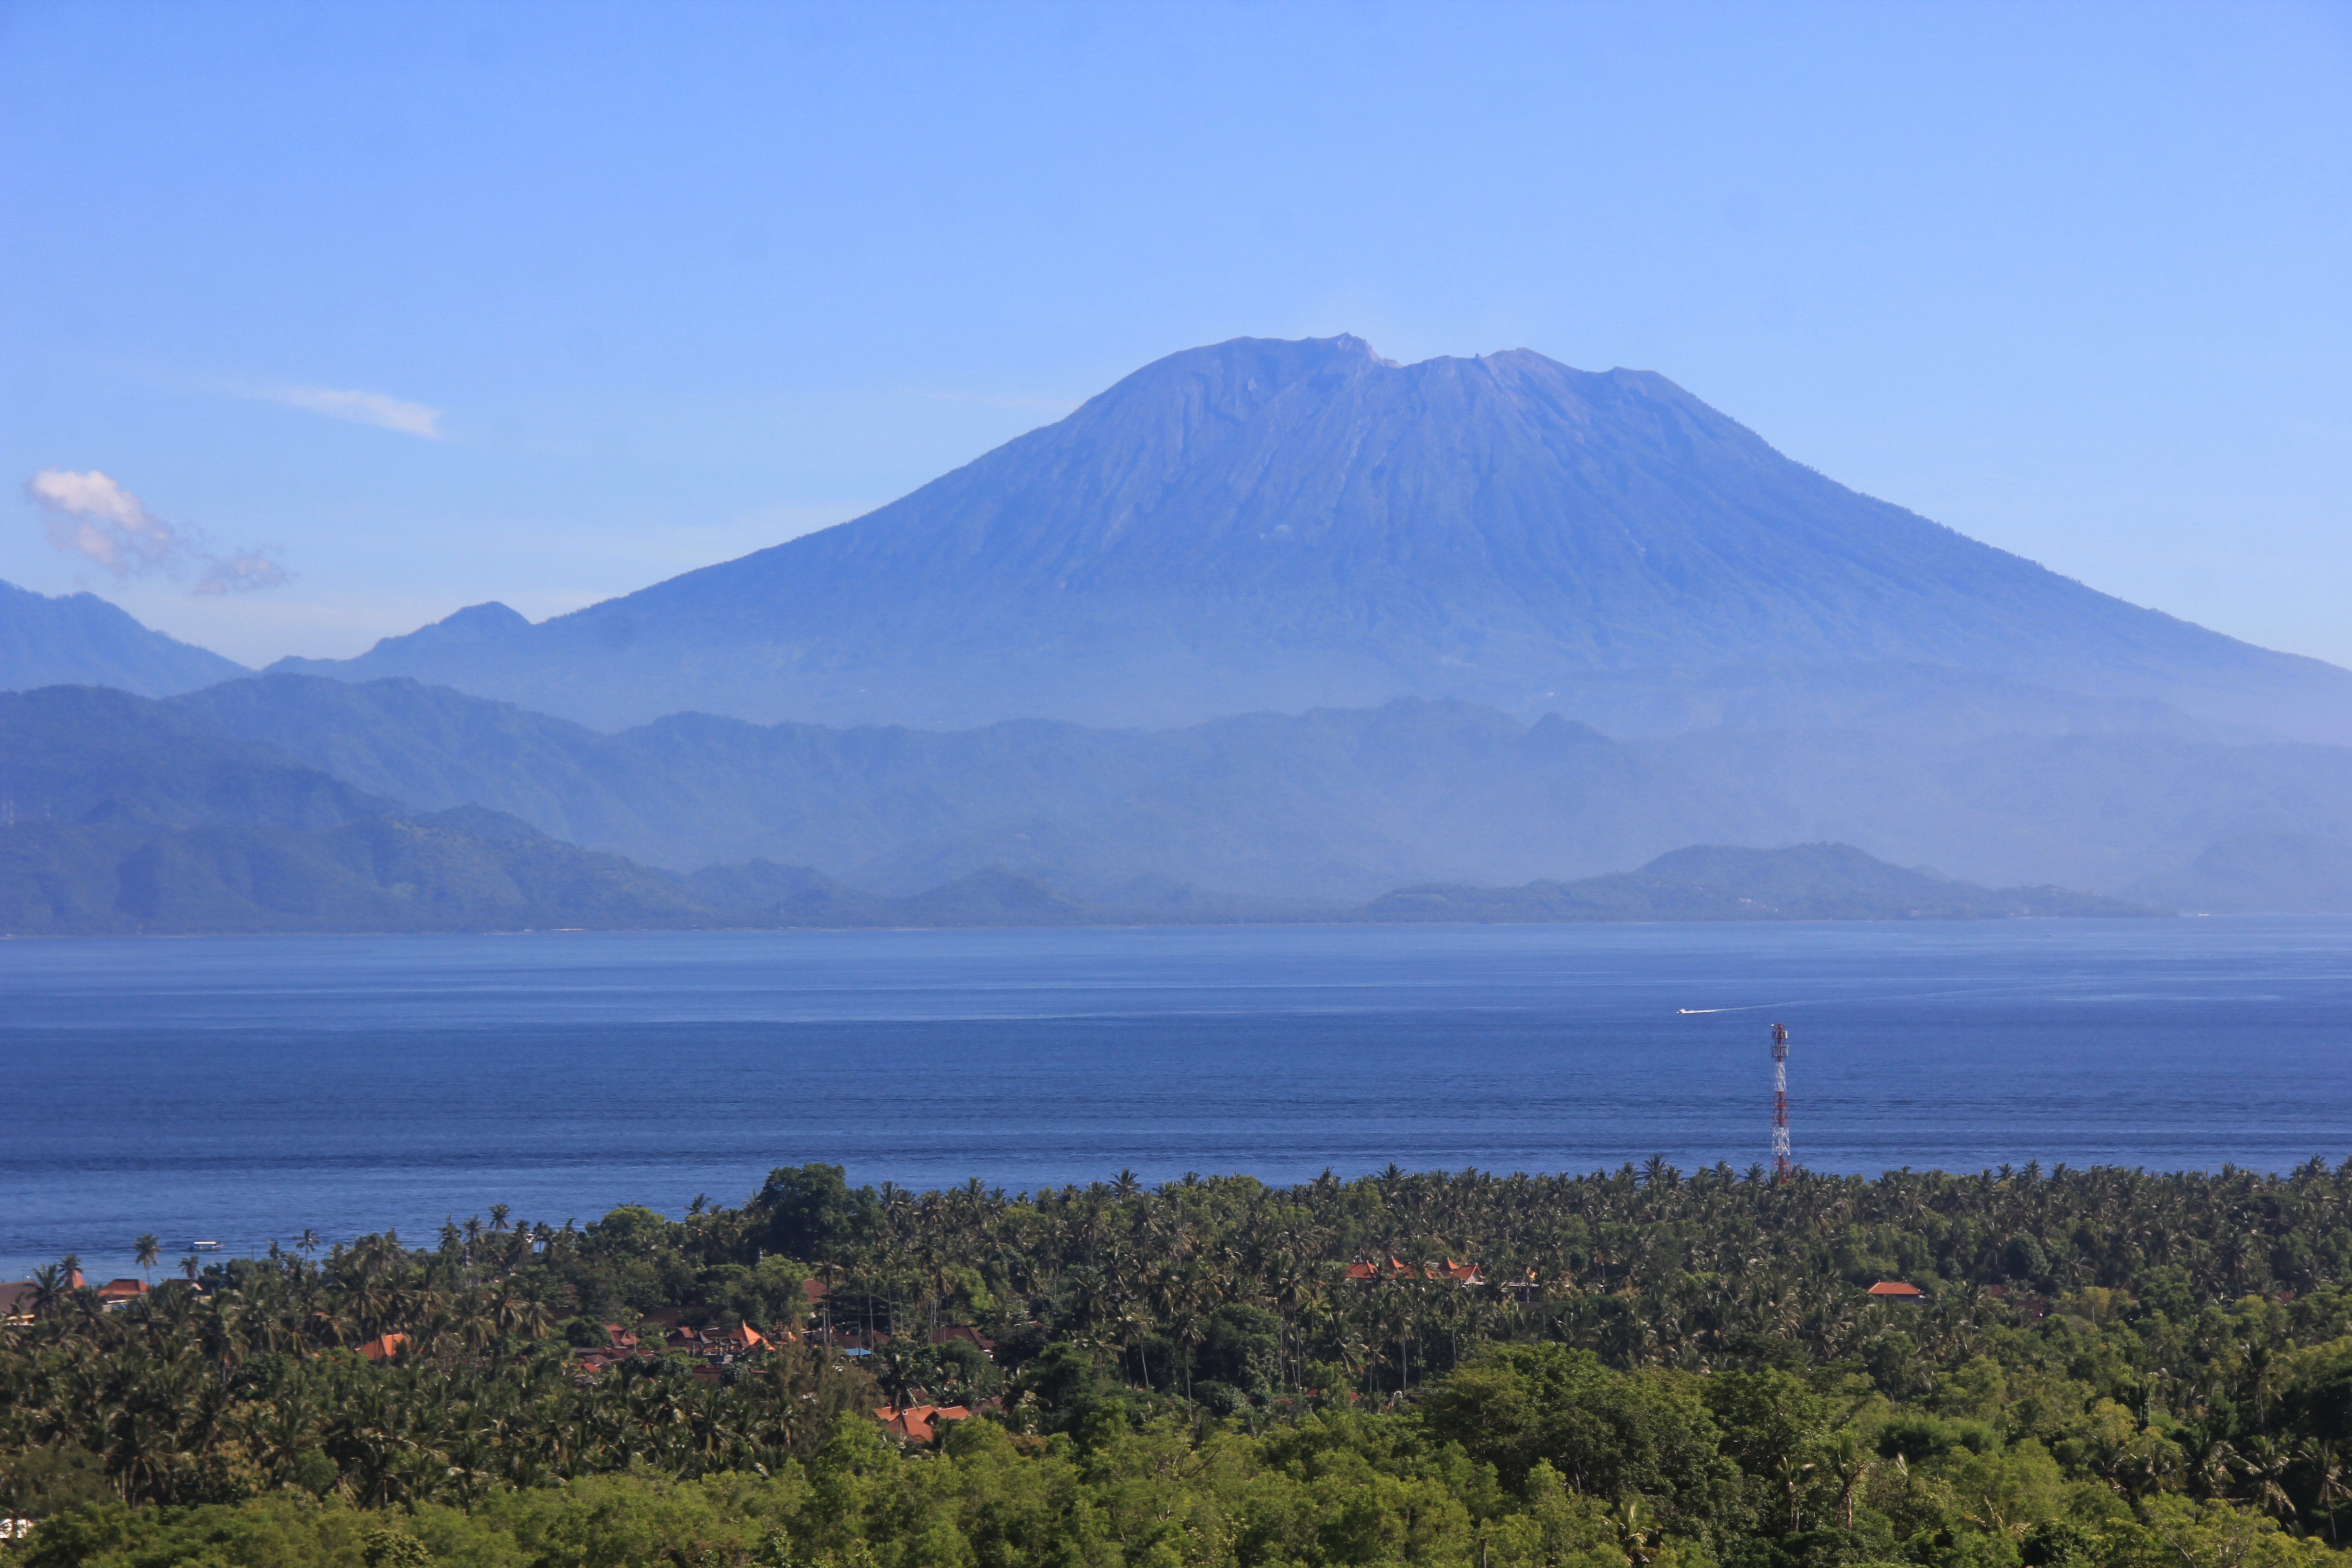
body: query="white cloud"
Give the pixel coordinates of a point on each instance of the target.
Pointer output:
(363, 408)
(236, 574)
(91, 516)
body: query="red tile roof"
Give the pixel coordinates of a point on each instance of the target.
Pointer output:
(1896, 1288)
(916, 1423)
(383, 1348)
(1396, 1268)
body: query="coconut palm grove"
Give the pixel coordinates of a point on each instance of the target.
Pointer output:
(1647, 1368)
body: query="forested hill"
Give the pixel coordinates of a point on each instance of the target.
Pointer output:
(1647, 1368)
(1291, 525)
(125, 817)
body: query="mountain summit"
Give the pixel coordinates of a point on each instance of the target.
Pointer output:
(1276, 524)
(80, 639)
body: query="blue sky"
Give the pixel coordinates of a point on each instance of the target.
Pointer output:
(428, 305)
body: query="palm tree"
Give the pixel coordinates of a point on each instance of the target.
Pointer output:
(1849, 1463)
(2266, 1464)
(2213, 1466)
(1790, 1472)
(2328, 1487)
(145, 1249)
(1636, 1529)
(50, 1286)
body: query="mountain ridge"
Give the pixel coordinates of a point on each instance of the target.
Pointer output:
(80, 639)
(134, 818)
(1264, 524)
(1333, 805)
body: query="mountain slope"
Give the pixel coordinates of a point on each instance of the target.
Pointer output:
(1285, 525)
(129, 816)
(125, 815)
(2260, 873)
(80, 639)
(72, 752)
(1331, 805)
(382, 874)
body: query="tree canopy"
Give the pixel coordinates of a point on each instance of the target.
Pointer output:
(1645, 1368)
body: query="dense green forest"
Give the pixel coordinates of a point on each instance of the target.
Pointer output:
(1653, 1369)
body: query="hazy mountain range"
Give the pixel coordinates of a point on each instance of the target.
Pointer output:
(1257, 816)
(127, 815)
(1269, 627)
(1331, 805)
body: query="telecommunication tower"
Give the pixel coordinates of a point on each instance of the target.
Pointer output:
(1780, 1166)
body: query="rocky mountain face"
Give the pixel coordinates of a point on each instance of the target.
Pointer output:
(80, 639)
(1288, 525)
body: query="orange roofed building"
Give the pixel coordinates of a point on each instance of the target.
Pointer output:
(1895, 1291)
(919, 1423)
(1459, 1273)
(383, 1348)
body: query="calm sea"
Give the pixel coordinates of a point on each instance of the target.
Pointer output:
(240, 1089)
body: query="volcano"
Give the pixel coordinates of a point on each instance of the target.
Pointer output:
(1285, 525)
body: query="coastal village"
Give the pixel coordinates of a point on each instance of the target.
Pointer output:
(714, 1351)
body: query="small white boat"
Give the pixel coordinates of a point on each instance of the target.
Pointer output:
(203, 1246)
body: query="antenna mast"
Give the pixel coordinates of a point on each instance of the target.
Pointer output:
(1781, 1165)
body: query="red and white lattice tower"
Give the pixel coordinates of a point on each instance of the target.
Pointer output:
(1780, 1166)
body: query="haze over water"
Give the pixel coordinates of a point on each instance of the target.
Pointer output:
(241, 1088)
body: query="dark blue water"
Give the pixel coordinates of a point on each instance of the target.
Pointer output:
(241, 1088)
